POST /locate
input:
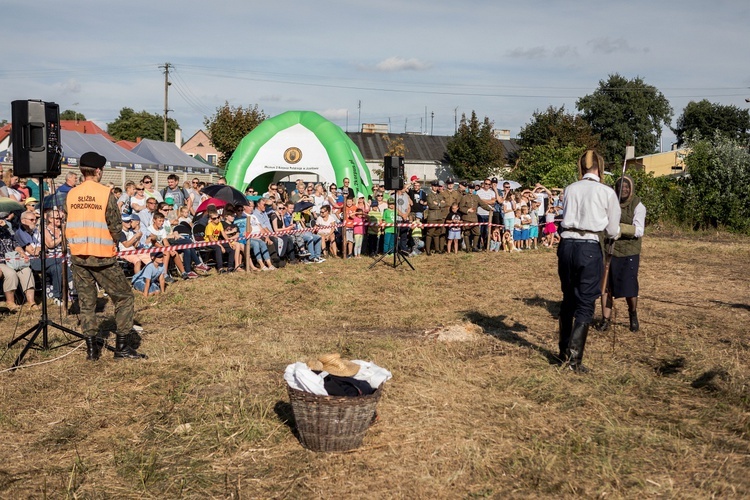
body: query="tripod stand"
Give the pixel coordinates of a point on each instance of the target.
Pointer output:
(44, 323)
(398, 257)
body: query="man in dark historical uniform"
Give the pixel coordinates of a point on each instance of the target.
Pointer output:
(590, 209)
(93, 229)
(468, 208)
(623, 268)
(435, 207)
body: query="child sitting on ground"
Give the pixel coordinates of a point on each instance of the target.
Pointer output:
(495, 242)
(507, 242)
(150, 280)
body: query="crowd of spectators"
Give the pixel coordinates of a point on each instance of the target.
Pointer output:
(308, 224)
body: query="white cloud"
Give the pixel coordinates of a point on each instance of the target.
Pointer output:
(400, 64)
(334, 114)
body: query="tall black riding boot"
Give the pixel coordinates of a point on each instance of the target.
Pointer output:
(93, 348)
(576, 346)
(566, 327)
(124, 350)
(634, 321)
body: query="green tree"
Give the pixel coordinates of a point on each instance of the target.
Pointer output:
(551, 164)
(229, 125)
(556, 123)
(130, 126)
(69, 114)
(716, 191)
(474, 152)
(704, 119)
(625, 112)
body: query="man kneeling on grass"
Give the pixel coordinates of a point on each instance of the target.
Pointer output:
(150, 280)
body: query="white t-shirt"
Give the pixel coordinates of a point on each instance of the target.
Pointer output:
(486, 195)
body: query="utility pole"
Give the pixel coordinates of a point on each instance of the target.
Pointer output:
(432, 120)
(455, 120)
(167, 83)
(359, 116)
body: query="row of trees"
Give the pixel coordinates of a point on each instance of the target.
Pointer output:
(622, 113)
(619, 113)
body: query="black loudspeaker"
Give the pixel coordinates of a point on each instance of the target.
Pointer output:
(393, 172)
(35, 134)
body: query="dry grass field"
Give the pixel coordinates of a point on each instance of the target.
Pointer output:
(474, 409)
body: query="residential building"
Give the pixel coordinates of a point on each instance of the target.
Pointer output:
(200, 145)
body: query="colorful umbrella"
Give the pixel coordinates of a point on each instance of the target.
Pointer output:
(211, 201)
(226, 193)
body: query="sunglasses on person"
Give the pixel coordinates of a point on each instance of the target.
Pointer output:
(214, 218)
(147, 182)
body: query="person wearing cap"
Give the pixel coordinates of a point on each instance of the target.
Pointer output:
(468, 206)
(93, 228)
(130, 239)
(451, 194)
(626, 255)
(590, 209)
(436, 204)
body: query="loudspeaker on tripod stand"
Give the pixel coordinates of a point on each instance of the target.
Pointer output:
(393, 172)
(35, 134)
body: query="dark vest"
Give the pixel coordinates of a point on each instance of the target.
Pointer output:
(625, 247)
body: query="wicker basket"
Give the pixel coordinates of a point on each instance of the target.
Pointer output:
(332, 423)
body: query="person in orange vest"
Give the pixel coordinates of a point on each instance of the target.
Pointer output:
(93, 230)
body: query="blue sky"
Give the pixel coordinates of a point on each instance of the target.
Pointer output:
(402, 60)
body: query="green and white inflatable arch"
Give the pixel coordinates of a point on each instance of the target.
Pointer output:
(297, 142)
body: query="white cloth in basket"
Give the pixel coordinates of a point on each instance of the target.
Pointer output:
(371, 373)
(299, 376)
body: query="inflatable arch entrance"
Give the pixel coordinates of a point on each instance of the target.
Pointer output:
(297, 142)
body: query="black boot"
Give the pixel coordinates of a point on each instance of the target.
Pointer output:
(134, 340)
(93, 348)
(576, 347)
(634, 321)
(566, 327)
(124, 350)
(604, 325)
